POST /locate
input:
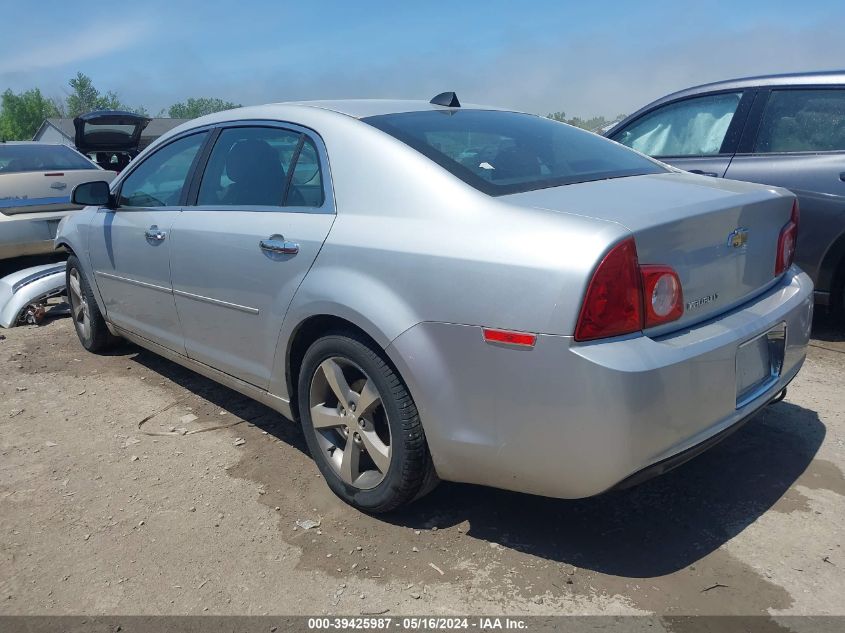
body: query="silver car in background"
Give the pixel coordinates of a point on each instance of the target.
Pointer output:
(447, 292)
(36, 180)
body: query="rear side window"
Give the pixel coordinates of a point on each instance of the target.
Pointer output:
(502, 153)
(16, 159)
(693, 127)
(252, 166)
(803, 121)
(158, 181)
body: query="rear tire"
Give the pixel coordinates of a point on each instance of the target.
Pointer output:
(369, 445)
(87, 319)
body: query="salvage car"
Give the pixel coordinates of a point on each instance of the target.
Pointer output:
(438, 291)
(36, 180)
(784, 130)
(110, 137)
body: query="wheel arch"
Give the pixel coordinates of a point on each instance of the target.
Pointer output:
(832, 270)
(309, 330)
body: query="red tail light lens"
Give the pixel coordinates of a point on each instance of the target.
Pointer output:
(613, 304)
(624, 297)
(664, 299)
(787, 240)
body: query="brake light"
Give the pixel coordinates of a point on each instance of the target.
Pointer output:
(624, 297)
(613, 303)
(787, 240)
(663, 297)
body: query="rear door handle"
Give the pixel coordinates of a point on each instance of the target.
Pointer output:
(842, 176)
(278, 244)
(154, 234)
(700, 172)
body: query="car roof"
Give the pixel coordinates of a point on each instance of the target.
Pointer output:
(821, 78)
(362, 108)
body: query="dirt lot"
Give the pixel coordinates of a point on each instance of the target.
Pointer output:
(99, 516)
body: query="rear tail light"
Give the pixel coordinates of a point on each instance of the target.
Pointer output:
(787, 240)
(663, 297)
(613, 304)
(624, 297)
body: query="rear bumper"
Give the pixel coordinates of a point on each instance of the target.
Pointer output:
(30, 234)
(572, 420)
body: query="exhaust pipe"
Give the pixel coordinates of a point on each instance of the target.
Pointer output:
(781, 395)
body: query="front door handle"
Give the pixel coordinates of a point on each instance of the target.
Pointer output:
(701, 172)
(842, 176)
(278, 244)
(154, 234)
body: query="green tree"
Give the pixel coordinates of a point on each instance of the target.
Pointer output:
(194, 107)
(588, 124)
(85, 98)
(21, 114)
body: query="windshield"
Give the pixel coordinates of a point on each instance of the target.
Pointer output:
(502, 153)
(22, 158)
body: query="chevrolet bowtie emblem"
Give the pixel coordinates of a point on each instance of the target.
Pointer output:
(738, 238)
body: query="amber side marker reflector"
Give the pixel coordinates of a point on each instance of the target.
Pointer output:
(509, 338)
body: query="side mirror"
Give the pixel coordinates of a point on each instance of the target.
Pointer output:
(95, 193)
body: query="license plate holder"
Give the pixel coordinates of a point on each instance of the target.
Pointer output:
(759, 363)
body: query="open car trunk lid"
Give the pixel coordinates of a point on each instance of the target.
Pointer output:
(109, 131)
(720, 236)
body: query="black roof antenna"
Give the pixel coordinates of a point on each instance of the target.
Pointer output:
(448, 99)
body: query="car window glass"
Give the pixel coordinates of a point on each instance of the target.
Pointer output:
(248, 166)
(503, 153)
(803, 121)
(306, 187)
(693, 127)
(25, 157)
(159, 180)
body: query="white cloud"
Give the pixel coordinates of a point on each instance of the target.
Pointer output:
(44, 51)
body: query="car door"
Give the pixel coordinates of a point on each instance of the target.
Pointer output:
(697, 134)
(261, 215)
(130, 245)
(796, 139)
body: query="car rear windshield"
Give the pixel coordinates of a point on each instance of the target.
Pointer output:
(15, 159)
(502, 153)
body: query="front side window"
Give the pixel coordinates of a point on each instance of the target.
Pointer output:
(693, 127)
(803, 121)
(502, 153)
(251, 166)
(15, 159)
(159, 180)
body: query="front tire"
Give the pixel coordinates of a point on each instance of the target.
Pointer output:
(87, 319)
(361, 424)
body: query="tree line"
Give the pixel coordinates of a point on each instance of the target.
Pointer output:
(22, 113)
(592, 124)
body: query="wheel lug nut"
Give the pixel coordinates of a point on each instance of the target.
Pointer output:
(352, 406)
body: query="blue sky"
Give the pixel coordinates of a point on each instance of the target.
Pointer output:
(584, 58)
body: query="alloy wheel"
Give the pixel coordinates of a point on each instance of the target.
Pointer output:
(79, 306)
(350, 422)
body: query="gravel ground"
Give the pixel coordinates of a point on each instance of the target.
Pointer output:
(99, 516)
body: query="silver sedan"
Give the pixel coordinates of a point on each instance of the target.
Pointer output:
(437, 291)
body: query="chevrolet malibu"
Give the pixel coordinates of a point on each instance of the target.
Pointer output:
(437, 291)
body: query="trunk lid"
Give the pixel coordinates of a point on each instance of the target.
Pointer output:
(720, 236)
(109, 131)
